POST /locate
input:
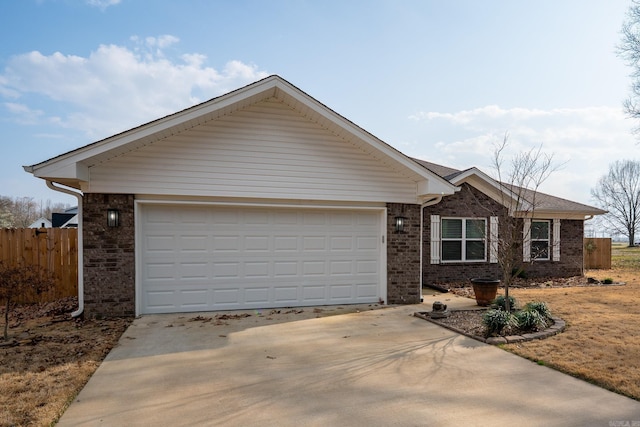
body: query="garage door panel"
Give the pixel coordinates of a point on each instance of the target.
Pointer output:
(367, 267)
(313, 268)
(341, 267)
(161, 300)
(188, 243)
(194, 270)
(256, 296)
(367, 290)
(194, 299)
(314, 243)
(285, 243)
(341, 243)
(314, 294)
(226, 243)
(237, 258)
(314, 219)
(343, 292)
(286, 294)
(160, 271)
(256, 243)
(256, 269)
(225, 270)
(285, 269)
(366, 243)
(223, 298)
(160, 243)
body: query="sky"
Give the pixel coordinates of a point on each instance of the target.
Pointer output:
(442, 81)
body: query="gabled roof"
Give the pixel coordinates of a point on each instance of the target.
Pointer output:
(545, 204)
(38, 223)
(72, 168)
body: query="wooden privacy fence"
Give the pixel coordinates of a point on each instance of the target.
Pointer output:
(597, 253)
(53, 249)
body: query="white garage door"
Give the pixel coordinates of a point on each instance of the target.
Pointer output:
(198, 258)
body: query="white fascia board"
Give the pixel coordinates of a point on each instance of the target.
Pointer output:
(430, 188)
(490, 187)
(475, 172)
(548, 214)
(67, 170)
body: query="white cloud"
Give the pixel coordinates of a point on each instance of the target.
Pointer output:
(102, 4)
(23, 114)
(116, 87)
(583, 140)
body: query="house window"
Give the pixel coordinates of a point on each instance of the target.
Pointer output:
(464, 239)
(540, 238)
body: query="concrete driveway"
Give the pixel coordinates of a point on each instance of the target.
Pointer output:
(375, 367)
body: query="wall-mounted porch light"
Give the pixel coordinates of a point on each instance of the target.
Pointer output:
(113, 217)
(400, 221)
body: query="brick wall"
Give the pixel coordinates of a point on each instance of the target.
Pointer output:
(469, 202)
(571, 253)
(109, 257)
(403, 255)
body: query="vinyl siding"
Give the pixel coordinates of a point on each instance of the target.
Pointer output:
(265, 151)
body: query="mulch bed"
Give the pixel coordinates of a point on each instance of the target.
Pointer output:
(464, 288)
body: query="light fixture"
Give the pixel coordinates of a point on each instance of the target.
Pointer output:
(113, 217)
(400, 220)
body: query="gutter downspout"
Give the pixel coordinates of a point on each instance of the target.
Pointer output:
(430, 202)
(80, 309)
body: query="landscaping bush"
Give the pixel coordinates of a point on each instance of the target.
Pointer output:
(529, 320)
(498, 321)
(534, 316)
(540, 307)
(499, 303)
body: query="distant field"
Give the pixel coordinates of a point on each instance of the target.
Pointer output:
(624, 257)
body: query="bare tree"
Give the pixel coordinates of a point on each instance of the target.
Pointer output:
(629, 50)
(6, 217)
(22, 211)
(25, 211)
(519, 182)
(619, 192)
(20, 281)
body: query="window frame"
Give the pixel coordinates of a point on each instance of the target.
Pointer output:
(534, 253)
(463, 240)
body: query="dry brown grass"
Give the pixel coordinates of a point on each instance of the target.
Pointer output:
(602, 341)
(48, 360)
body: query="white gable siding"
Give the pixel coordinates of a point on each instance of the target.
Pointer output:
(265, 151)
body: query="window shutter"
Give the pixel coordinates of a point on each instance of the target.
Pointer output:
(493, 243)
(435, 239)
(526, 240)
(556, 240)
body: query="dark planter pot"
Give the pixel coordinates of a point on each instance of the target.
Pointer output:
(485, 290)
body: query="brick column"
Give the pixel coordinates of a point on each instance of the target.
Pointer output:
(403, 255)
(109, 256)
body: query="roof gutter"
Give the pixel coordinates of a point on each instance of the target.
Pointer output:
(430, 202)
(80, 309)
